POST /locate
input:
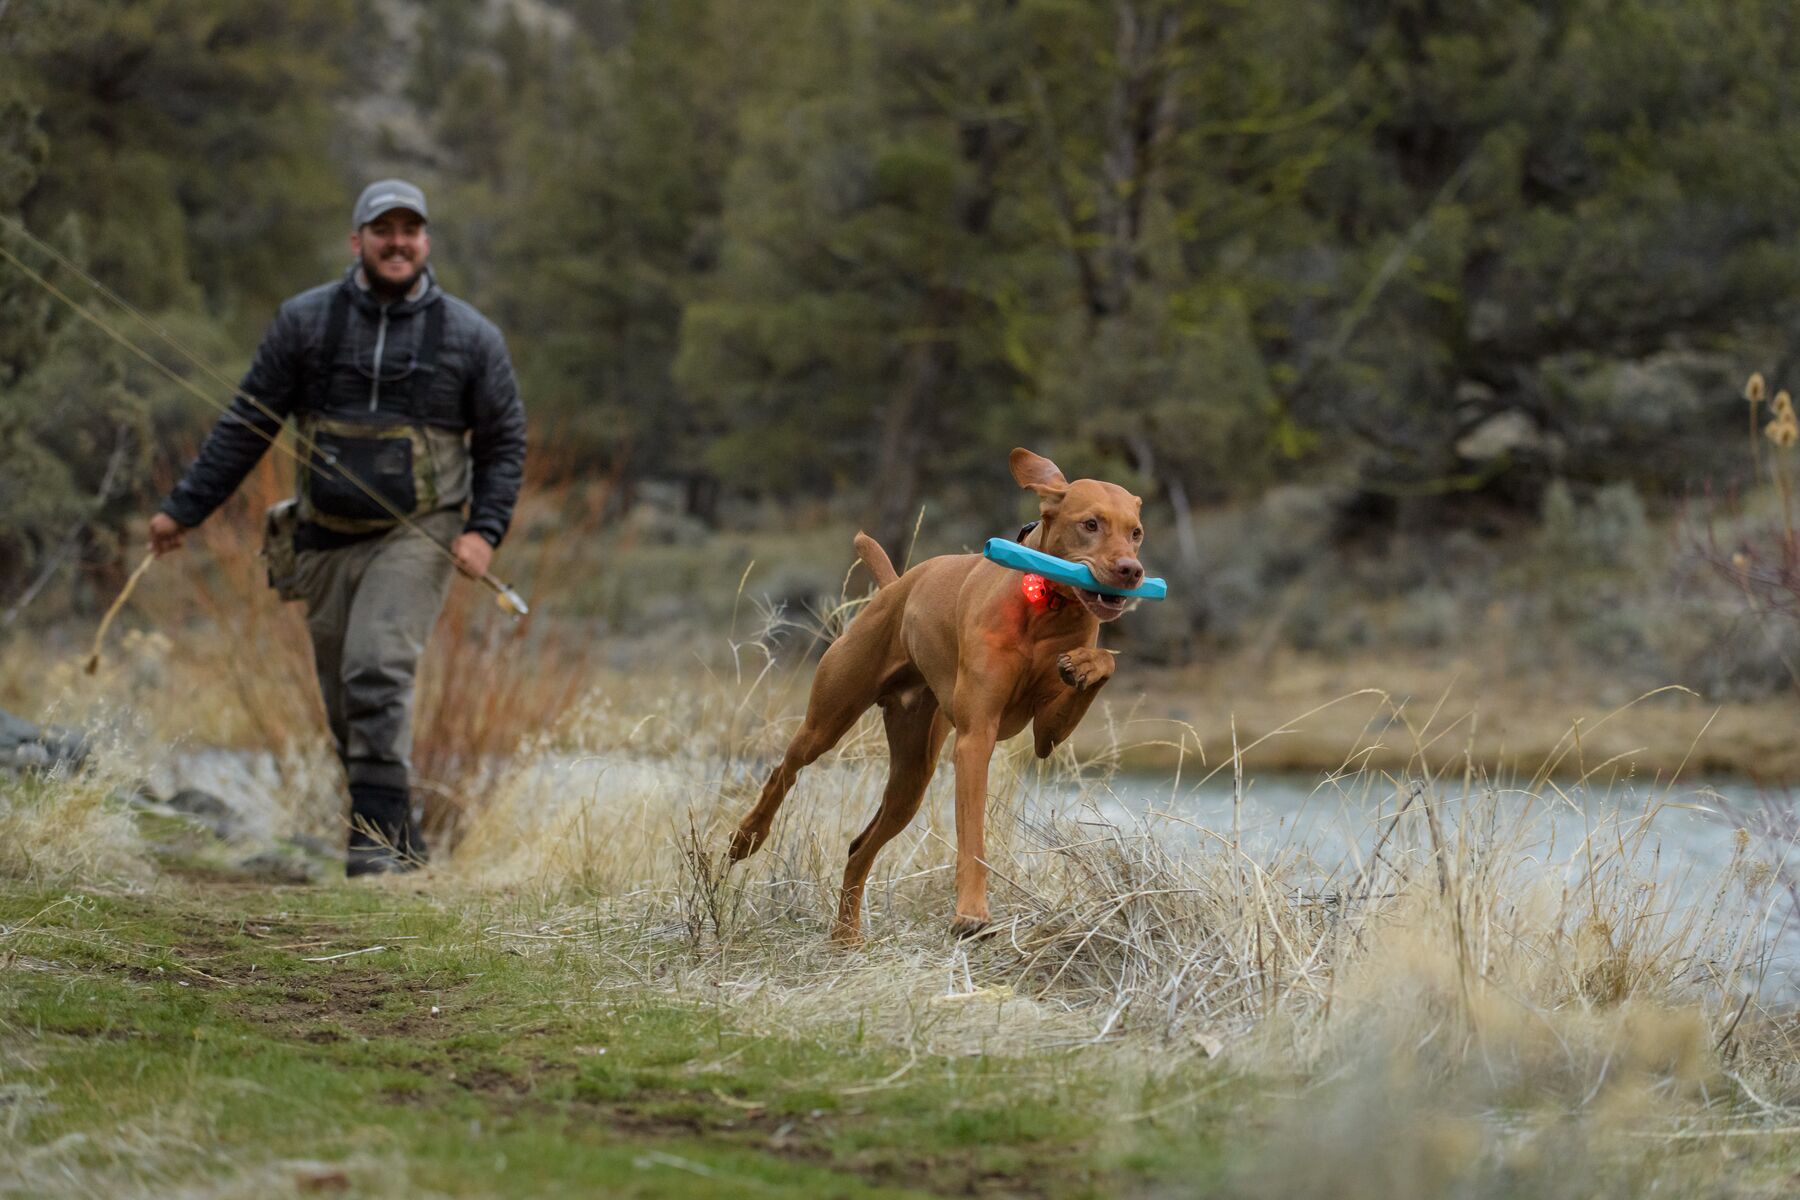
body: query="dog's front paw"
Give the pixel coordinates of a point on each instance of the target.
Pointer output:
(1085, 667)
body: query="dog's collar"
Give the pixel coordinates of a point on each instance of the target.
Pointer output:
(1040, 592)
(1048, 596)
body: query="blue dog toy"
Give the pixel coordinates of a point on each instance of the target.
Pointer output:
(1060, 570)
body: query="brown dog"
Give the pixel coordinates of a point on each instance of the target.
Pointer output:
(956, 643)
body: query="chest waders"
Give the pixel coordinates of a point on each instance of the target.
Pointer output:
(373, 465)
(411, 467)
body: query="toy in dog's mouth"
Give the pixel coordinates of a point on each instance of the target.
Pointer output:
(1103, 606)
(1042, 569)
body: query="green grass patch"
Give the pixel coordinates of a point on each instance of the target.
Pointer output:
(185, 1037)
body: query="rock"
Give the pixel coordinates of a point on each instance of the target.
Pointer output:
(194, 805)
(65, 745)
(26, 746)
(282, 865)
(198, 803)
(1505, 433)
(318, 847)
(30, 754)
(137, 797)
(204, 808)
(14, 732)
(297, 859)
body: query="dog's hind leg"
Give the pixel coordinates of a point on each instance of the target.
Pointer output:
(812, 741)
(843, 689)
(916, 730)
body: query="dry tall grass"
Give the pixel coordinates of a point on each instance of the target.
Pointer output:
(486, 682)
(1439, 999)
(69, 825)
(1439, 994)
(1447, 1007)
(1446, 930)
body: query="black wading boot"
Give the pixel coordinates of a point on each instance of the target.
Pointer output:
(384, 839)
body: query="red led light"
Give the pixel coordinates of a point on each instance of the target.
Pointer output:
(1036, 589)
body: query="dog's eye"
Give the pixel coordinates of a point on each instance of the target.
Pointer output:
(1137, 535)
(1091, 525)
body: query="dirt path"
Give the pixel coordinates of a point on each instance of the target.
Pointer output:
(236, 997)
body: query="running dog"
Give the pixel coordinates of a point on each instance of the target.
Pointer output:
(958, 643)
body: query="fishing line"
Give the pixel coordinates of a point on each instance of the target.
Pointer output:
(508, 598)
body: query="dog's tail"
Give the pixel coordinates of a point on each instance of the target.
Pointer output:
(876, 559)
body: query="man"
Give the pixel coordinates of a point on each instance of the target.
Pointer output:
(406, 403)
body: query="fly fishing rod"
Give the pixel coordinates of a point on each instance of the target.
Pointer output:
(309, 454)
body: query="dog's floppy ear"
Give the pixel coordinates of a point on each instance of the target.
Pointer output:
(1038, 473)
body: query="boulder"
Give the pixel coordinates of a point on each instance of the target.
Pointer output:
(27, 746)
(205, 809)
(14, 732)
(1507, 435)
(285, 864)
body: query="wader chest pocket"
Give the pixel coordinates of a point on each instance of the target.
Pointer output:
(384, 464)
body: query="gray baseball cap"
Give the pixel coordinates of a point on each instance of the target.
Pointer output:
(385, 194)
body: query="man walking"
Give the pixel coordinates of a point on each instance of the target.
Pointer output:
(406, 403)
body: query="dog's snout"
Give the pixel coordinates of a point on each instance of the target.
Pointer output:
(1130, 571)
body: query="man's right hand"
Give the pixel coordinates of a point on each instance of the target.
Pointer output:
(165, 534)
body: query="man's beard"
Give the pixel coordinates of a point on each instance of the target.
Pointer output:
(379, 285)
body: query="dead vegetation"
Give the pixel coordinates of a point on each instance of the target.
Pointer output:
(1450, 981)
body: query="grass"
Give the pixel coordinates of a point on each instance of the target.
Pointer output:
(209, 1035)
(580, 994)
(183, 1038)
(583, 996)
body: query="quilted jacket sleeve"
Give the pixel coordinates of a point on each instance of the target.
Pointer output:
(496, 438)
(239, 439)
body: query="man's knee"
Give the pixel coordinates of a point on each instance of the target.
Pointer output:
(381, 656)
(375, 684)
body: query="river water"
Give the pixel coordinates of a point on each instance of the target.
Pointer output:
(1696, 824)
(1693, 842)
(1685, 838)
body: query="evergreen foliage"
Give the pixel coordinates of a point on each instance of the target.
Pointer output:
(181, 152)
(1433, 252)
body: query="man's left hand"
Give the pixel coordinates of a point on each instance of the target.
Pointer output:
(473, 554)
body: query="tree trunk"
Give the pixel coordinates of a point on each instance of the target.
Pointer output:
(905, 432)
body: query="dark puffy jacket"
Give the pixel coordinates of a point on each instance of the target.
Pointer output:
(471, 388)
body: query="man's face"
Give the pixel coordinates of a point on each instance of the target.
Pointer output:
(393, 249)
